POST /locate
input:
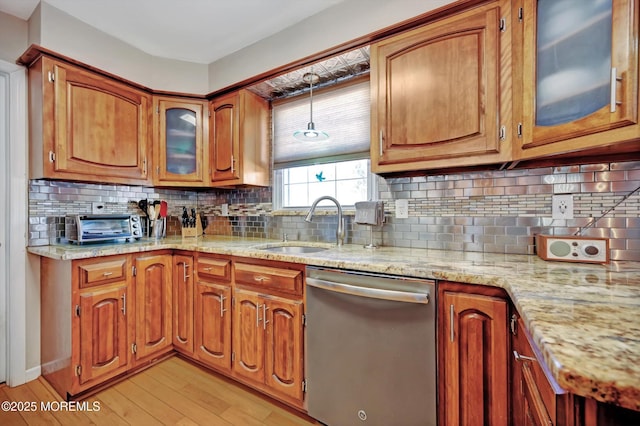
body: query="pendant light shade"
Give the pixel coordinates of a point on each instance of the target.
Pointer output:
(310, 133)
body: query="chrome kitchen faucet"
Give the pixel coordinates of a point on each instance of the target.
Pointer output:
(340, 229)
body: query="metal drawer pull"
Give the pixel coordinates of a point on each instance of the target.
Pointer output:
(207, 269)
(374, 293)
(124, 304)
(107, 274)
(258, 315)
(264, 316)
(261, 279)
(614, 85)
(519, 357)
(222, 309)
(184, 271)
(451, 322)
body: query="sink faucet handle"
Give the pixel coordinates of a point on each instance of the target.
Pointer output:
(285, 237)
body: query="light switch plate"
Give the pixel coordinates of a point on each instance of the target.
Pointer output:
(402, 209)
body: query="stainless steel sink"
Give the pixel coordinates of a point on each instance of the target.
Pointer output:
(294, 249)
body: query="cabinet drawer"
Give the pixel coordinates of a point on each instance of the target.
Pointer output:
(98, 273)
(544, 398)
(211, 267)
(284, 280)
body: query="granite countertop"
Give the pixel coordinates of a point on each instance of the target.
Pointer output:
(585, 318)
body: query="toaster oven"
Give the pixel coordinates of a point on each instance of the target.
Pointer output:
(85, 228)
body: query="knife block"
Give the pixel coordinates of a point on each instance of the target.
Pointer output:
(195, 231)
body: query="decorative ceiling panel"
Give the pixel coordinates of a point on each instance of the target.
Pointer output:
(330, 71)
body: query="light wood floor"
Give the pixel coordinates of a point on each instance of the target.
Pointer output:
(174, 392)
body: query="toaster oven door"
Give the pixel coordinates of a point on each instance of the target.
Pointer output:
(92, 228)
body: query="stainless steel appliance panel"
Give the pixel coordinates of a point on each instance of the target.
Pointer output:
(371, 349)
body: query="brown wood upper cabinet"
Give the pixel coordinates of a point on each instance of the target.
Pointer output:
(473, 356)
(579, 75)
(85, 126)
(181, 132)
(441, 93)
(239, 141)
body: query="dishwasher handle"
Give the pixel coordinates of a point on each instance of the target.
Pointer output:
(373, 293)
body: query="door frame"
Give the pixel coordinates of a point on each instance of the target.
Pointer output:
(13, 283)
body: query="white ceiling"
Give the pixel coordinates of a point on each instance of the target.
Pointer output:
(200, 31)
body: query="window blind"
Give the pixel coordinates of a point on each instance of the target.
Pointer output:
(344, 113)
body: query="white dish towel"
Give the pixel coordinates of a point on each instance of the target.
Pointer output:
(370, 213)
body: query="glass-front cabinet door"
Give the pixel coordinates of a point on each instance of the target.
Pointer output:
(179, 148)
(579, 68)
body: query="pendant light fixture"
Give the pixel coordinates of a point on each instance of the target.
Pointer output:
(310, 133)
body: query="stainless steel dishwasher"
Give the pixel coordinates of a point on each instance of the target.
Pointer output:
(371, 349)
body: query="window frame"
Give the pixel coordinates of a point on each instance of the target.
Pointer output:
(278, 179)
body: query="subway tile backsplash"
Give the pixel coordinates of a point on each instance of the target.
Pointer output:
(492, 211)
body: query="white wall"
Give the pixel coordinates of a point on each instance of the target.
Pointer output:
(346, 21)
(55, 30)
(336, 25)
(13, 37)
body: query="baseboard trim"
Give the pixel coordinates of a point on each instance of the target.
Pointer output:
(33, 373)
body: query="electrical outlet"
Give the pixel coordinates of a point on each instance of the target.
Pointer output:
(562, 206)
(224, 209)
(402, 209)
(97, 208)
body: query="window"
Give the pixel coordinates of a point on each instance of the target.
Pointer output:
(339, 166)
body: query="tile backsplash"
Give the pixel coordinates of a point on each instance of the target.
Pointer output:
(492, 211)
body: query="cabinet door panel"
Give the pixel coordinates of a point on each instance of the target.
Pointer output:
(436, 94)
(213, 325)
(153, 304)
(569, 55)
(248, 336)
(183, 303)
(103, 333)
(180, 141)
(284, 357)
(225, 136)
(101, 126)
(475, 360)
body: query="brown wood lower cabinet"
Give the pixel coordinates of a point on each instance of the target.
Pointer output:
(103, 332)
(268, 328)
(267, 341)
(473, 355)
(212, 322)
(183, 303)
(85, 319)
(536, 397)
(153, 290)
(213, 325)
(538, 400)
